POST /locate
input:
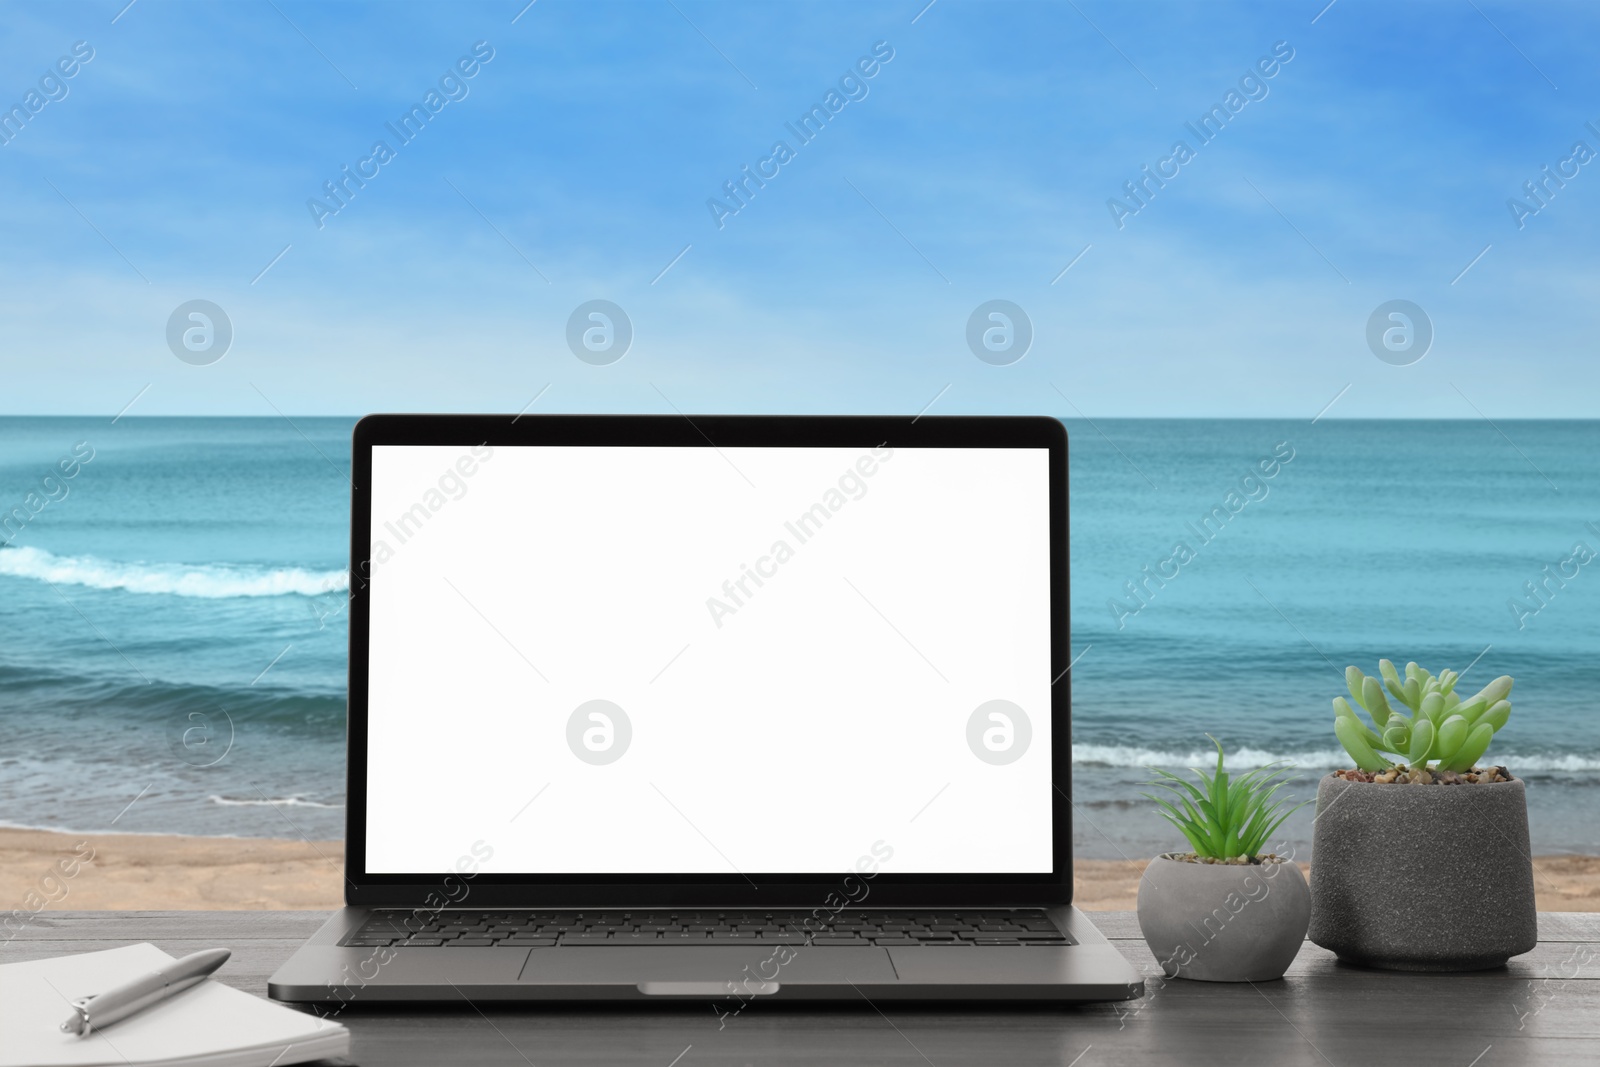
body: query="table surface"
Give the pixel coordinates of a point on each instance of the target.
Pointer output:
(1542, 1008)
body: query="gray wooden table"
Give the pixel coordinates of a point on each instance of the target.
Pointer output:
(1543, 1008)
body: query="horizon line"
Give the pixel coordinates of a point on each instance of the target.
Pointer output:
(834, 414)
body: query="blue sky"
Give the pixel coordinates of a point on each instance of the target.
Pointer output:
(977, 166)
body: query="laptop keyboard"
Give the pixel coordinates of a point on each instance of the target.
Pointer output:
(552, 929)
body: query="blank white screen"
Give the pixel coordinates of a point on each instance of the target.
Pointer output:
(826, 709)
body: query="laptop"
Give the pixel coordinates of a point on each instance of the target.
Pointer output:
(715, 708)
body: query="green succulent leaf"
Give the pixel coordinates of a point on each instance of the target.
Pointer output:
(1421, 743)
(1213, 828)
(1201, 846)
(1471, 750)
(1224, 816)
(1342, 709)
(1181, 786)
(1452, 732)
(1373, 700)
(1353, 681)
(1495, 718)
(1442, 726)
(1352, 735)
(1220, 804)
(1190, 831)
(1496, 690)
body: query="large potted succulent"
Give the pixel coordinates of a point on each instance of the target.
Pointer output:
(1227, 911)
(1420, 858)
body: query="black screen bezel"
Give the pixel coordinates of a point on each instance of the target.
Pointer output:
(427, 889)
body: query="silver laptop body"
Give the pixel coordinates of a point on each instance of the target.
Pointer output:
(718, 708)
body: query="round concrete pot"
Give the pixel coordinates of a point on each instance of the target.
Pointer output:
(1216, 922)
(1422, 877)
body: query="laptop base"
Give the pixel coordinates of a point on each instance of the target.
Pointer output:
(325, 972)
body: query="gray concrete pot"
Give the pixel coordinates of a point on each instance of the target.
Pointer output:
(1218, 922)
(1422, 877)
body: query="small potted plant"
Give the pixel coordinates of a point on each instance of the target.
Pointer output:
(1420, 858)
(1226, 912)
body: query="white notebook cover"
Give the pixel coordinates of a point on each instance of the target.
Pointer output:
(212, 1024)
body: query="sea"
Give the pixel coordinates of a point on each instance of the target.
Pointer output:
(173, 627)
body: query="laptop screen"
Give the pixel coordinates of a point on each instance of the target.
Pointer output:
(636, 660)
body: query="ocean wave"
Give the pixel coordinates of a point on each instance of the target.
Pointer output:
(1091, 755)
(1135, 756)
(208, 581)
(307, 714)
(276, 802)
(1566, 763)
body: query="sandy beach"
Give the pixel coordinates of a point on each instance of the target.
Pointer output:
(46, 871)
(105, 872)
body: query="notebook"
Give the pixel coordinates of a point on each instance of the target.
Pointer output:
(211, 1025)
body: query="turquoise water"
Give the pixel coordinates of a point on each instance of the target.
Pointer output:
(172, 633)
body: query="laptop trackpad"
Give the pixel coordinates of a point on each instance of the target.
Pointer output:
(696, 969)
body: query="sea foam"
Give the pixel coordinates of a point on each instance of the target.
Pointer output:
(1091, 755)
(265, 801)
(209, 581)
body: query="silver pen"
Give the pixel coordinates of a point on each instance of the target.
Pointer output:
(119, 1002)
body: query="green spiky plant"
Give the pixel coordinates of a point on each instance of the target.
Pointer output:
(1227, 818)
(1441, 726)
